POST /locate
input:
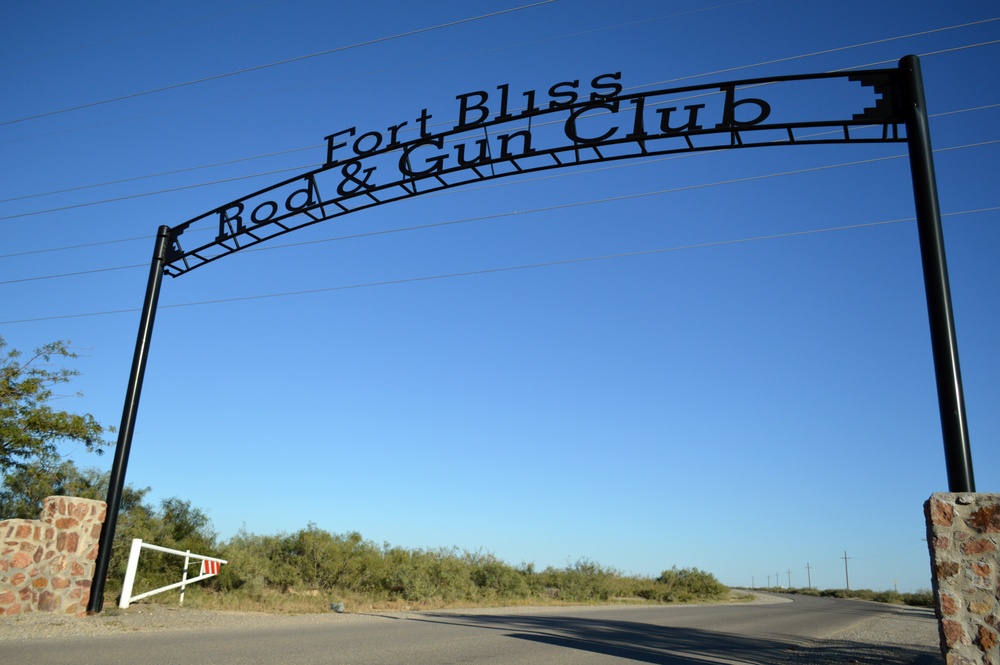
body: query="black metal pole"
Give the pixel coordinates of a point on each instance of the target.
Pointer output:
(116, 483)
(951, 401)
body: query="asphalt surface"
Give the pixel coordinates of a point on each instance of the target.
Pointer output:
(796, 629)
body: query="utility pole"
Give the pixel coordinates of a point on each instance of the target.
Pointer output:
(847, 576)
(768, 581)
(809, 575)
(752, 582)
(777, 579)
(789, 578)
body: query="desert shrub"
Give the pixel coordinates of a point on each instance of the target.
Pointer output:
(922, 598)
(919, 598)
(256, 563)
(326, 561)
(887, 597)
(835, 593)
(312, 563)
(691, 583)
(496, 579)
(582, 581)
(176, 524)
(363, 567)
(418, 575)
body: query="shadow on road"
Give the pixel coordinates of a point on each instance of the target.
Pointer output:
(648, 643)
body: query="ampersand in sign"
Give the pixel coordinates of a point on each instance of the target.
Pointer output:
(350, 172)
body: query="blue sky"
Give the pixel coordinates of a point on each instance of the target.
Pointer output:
(748, 391)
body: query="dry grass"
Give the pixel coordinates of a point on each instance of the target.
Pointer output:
(317, 602)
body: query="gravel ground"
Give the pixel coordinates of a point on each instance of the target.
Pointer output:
(909, 636)
(148, 618)
(901, 629)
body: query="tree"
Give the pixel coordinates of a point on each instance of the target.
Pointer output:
(23, 490)
(31, 430)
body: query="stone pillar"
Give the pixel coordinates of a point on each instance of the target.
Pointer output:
(963, 534)
(47, 565)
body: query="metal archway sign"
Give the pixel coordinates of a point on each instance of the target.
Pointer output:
(569, 125)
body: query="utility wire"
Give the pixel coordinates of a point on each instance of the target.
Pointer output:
(73, 274)
(795, 57)
(255, 68)
(315, 146)
(890, 552)
(926, 54)
(473, 273)
(244, 177)
(80, 246)
(512, 45)
(825, 52)
(319, 145)
(14, 254)
(438, 224)
(186, 169)
(160, 191)
(434, 225)
(562, 206)
(134, 34)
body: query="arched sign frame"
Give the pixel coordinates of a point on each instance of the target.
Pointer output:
(376, 167)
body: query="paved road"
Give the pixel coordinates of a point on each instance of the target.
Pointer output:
(803, 630)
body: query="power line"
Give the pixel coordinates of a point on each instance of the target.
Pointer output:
(484, 271)
(72, 274)
(411, 64)
(959, 48)
(500, 215)
(255, 175)
(284, 152)
(318, 145)
(806, 55)
(255, 68)
(972, 108)
(825, 52)
(148, 176)
(297, 168)
(140, 195)
(925, 54)
(891, 552)
(520, 181)
(158, 28)
(466, 220)
(533, 210)
(293, 168)
(69, 247)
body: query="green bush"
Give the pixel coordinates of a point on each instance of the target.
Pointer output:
(419, 575)
(583, 581)
(176, 524)
(311, 565)
(692, 581)
(256, 563)
(919, 598)
(495, 579)
(922, 598)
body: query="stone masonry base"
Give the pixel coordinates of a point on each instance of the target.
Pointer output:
(47, 564)
(963, 534)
